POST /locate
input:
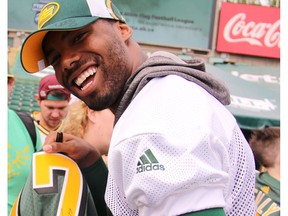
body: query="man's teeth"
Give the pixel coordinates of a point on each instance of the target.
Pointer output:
(87, 85)
(84, 76)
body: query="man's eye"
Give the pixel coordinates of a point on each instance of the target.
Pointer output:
(78, 37)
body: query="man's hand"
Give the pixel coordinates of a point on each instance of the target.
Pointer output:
(83, 153)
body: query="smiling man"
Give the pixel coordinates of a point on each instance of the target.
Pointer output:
(175, 148)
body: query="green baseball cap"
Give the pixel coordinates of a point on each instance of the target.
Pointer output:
(63, 15)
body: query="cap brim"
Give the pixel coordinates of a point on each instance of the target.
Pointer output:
(32, 56)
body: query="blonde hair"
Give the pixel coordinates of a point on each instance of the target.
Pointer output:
(76, 120)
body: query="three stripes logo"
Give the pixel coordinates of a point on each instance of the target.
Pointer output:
(148, 162)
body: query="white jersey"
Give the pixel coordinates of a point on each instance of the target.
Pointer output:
(175, 150)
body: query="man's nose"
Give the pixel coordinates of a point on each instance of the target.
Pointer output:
(68, 58)
(56, 113)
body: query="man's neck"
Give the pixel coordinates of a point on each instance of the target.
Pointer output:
(274, 172)
(38, 117)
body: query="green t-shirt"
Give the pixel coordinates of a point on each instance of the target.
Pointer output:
(20, 150)
(267, 194)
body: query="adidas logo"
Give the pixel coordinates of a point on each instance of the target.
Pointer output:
(148, 162)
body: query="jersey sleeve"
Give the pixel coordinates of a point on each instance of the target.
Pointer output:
(158, 174)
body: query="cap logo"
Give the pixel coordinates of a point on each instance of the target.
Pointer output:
(47, 13)
(109, 7)
(42, 93)
(111, 11)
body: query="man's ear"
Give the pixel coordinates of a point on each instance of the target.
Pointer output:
(125, 30)
(37, 97)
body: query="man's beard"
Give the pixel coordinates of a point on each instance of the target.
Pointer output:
(115, 74)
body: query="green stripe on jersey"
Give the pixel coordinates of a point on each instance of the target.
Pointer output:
(208, 212)
(144, 159)
(151, 156)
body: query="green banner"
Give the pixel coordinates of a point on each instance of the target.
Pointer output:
(182, 23)
(23, 15)
(255, 93)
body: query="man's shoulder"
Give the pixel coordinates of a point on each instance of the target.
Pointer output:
(16, 116)
(11, 112)
(35, 114)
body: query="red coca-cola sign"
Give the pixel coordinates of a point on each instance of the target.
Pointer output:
(249, 29)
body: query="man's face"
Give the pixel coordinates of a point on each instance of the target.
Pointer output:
(53, 111)
(92, 63)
